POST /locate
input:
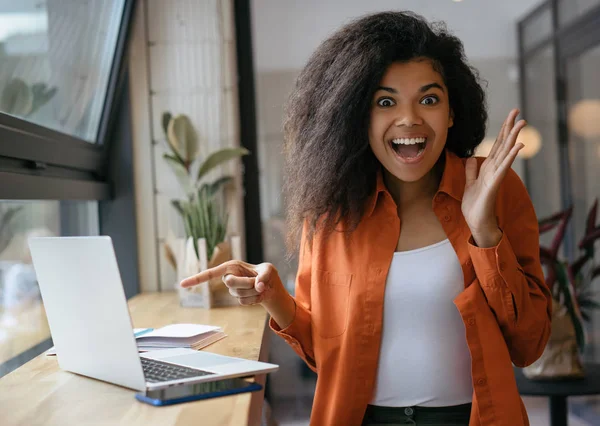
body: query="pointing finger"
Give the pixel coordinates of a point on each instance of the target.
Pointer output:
(234, 267)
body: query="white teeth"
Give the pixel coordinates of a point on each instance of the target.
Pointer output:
(406, 141)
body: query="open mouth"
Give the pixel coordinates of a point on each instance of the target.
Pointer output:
(409, 148)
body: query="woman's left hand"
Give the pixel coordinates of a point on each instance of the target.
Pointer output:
(479, 199)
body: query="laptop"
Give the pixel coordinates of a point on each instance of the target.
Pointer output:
(91, 328)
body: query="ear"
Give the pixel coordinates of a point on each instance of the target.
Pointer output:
(451, 119)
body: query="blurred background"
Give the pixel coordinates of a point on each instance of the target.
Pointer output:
(84, 86)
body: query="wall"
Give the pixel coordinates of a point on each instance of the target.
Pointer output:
(182, 61)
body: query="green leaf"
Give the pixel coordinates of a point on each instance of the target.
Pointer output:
(174, 159)
(178, 207)
(41, 95)
(589, 304)
(180, 172)
(166, 118)
(205, 220)
(570, 304)
(17, 98)
(7, 216)
(219, 157)
(595, 273)
(216, 185)
(182, 138)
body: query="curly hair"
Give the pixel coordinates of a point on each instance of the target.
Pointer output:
(330, 168)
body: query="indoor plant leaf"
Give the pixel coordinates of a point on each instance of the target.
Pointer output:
(182, 138)
(178, 207)
(571, 304)
(180, 172)
(219, 157)
(166, 119)
(214, 187)
(17, 98)
(41, 95)
(6, 231)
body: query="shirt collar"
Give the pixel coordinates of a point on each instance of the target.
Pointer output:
(452, 183)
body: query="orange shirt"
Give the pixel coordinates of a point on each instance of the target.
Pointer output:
(505, 307)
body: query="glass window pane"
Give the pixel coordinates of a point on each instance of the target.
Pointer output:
(583, 109)
(55, 60)
(543, 168)
(569, 10)
(537, 28)
(23, 322)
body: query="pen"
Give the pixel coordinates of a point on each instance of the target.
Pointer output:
(142, 332)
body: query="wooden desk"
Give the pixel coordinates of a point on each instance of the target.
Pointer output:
(39, 393)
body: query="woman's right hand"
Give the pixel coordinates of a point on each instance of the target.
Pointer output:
(252, 284)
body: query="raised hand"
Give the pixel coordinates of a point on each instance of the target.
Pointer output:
(479, 199)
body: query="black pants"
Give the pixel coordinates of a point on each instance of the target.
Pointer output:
(457, 415)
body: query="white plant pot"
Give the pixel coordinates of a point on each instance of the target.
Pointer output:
(188, 264)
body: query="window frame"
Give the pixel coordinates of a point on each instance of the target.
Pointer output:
(570, 40)
(37, 162)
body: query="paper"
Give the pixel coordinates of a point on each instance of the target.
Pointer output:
(180, 330)
(193, 336)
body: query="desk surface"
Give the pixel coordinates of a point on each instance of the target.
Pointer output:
(589, 385)
(39, 393)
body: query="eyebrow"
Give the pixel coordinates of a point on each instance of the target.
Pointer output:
(422, 89)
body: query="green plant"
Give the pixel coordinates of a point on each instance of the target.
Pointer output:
(20, 99)
(202, 212)
(7, 216)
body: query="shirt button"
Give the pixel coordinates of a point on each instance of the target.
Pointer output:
(471, 321)
(481, 382)
(408, 411)
(447, 218)
(469, 262)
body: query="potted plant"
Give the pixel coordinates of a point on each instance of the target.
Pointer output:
(202, 211)
(20, 99)
(572, 299)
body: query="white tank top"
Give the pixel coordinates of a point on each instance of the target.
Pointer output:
(424, 358)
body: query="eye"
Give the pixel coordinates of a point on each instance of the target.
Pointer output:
(430, 100)
(386, 102)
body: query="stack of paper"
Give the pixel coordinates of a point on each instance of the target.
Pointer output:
(192, 336)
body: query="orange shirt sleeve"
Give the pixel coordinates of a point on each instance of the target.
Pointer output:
(299, 333)
(511, 276)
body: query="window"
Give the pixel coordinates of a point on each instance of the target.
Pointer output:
(60, 62)
(61, 124)
(23, 325)
(56, 58)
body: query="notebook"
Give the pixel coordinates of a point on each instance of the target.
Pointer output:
(191, 336)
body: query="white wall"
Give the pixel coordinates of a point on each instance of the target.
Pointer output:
(182, 61)
(286, 32)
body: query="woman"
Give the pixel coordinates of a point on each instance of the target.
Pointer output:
(419, 281)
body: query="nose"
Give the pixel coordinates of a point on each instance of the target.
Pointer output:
(408, 117)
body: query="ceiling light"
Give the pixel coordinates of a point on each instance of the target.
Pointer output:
(584, 118)
(531, 138)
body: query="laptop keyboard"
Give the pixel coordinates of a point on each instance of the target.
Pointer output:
(158, 371)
